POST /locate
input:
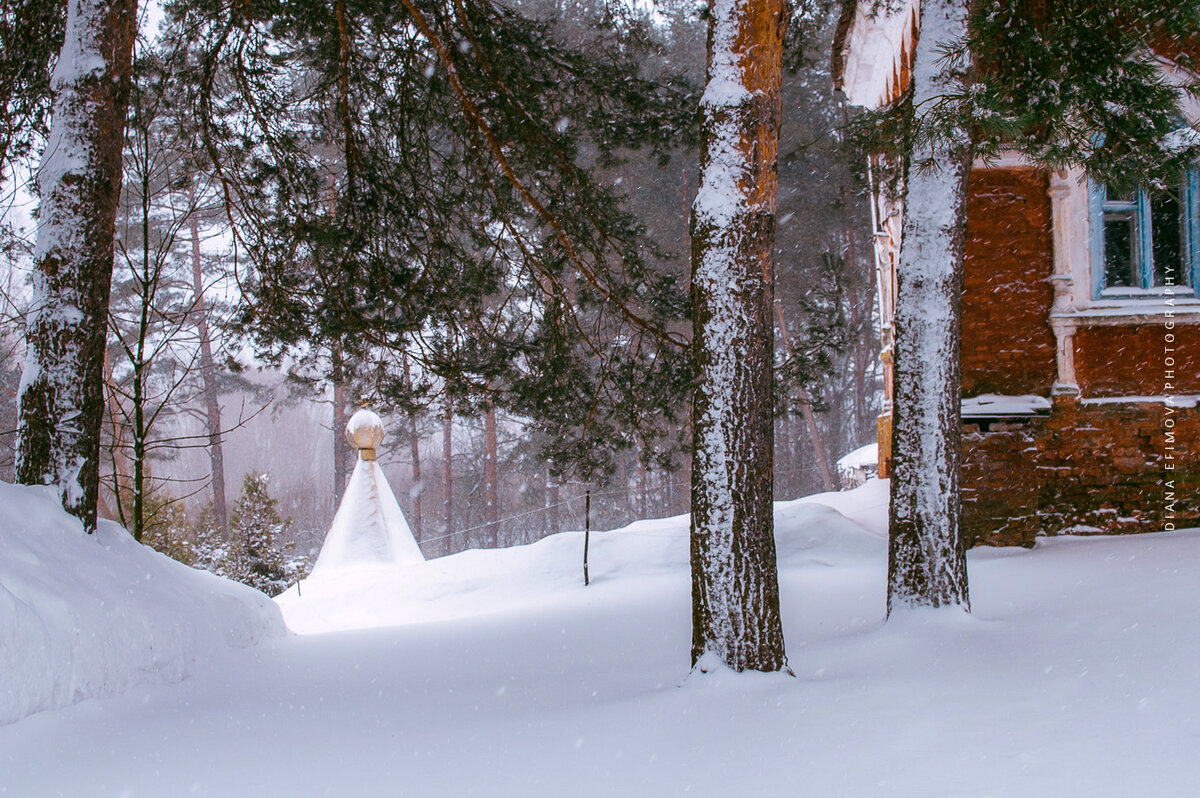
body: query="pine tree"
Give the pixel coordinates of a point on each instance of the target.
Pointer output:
(166, 529)
(210, 549)
(445, 180)
(150, 333)
(31, 35)
(254, 557)
(735, 592)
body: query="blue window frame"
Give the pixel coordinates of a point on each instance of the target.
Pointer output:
(1145, 241)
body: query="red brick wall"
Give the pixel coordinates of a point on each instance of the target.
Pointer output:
(1008, 346)
(1129, 361)
(1082, 469)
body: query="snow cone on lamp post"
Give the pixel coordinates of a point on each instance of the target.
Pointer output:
(369, 528)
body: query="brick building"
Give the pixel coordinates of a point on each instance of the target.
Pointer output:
(1081, 329)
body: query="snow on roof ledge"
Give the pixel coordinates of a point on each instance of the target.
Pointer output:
(861, 457)
(869, 50)
(1189, 400)
(991, 405)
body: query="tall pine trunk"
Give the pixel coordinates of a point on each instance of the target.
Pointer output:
(148, 282)
(342, 462)
(79, 185)
(414, 437)
(491, 479)
(447, 475)
(926, 557)
(735, 591)
(552, 505)
(414, 442)
(208, 379)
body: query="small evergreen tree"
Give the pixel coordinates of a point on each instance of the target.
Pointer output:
(254, 558)
(166, 529)
(210, 550)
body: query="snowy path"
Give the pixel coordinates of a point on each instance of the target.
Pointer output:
(1076, 675)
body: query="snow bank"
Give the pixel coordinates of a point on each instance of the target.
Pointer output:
(87, 616)
(1075, 675)
(550, 572)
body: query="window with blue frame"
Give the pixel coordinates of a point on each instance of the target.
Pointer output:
(1145, 241)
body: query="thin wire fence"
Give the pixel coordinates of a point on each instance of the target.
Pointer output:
(612, 509)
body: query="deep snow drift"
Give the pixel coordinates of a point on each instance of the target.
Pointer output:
(504, 676)
(86, 616)
(476, 582)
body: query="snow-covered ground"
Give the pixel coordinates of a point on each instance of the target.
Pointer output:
(499, 674)
(86, 616)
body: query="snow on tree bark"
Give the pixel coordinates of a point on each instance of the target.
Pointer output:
(79, 185)
(735, 591)
(926, 556)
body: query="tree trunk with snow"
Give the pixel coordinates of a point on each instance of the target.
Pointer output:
(735, 592)
(79, 185)
(926, 556)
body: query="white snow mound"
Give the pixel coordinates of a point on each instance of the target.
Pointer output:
(482, 582)
(85, 616)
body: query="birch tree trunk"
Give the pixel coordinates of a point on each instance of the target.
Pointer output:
(926, 557)
(735, 591)
(79, 185)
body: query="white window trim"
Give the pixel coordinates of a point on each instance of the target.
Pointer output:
(1190, 280)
